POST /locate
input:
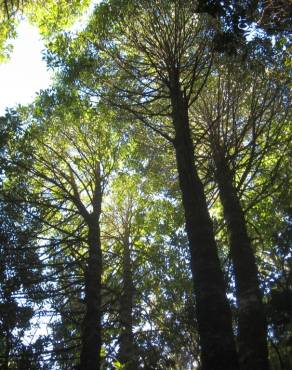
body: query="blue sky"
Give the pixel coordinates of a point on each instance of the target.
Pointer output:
(25, 73)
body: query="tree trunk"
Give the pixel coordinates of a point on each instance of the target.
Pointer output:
(127, 353)
(6, 356)
(253, 352)
(91, 335)
(213, 312)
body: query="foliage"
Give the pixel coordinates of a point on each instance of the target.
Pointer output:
(51, 18)
(107, 119)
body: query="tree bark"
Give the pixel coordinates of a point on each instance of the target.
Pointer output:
(91, 334)
(214, 318)
(127, 353)
(253, 352)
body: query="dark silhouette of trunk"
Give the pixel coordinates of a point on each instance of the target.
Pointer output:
(214, 318)
(252, 338)
(91, 335)
(6, 356)
(91, 330)
(127, 353)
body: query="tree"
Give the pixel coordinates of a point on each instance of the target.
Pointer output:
(20, 266)
(237, 22)
(146, 281)
(238, 122)
(272, 237)
(68, 179)
(165, 60)
(111, 188)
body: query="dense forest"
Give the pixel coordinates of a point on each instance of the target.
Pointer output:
(146, 195)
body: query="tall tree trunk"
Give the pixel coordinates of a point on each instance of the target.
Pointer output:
(91, 335)
(253, 352)
(127, 353)
(213, 312)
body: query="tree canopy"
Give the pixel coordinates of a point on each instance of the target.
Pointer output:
(145, 196)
